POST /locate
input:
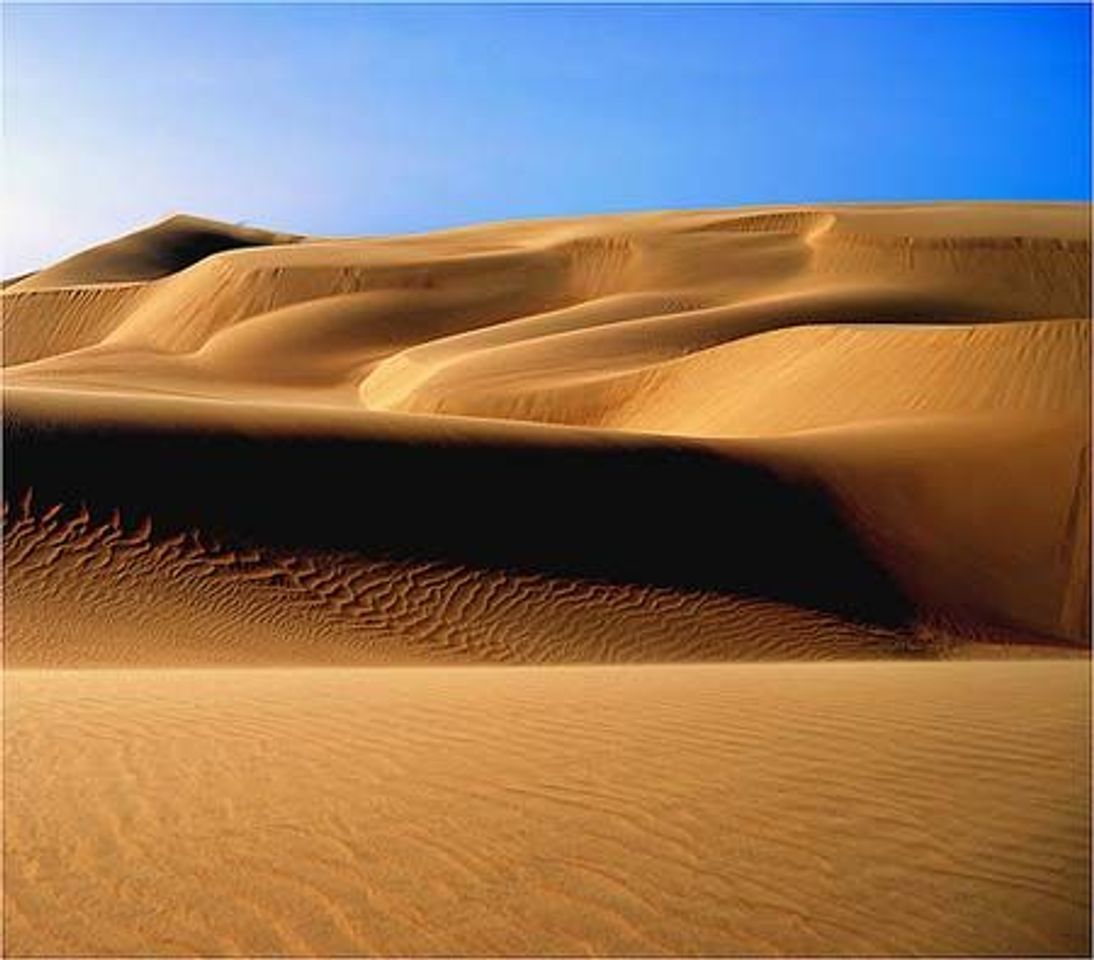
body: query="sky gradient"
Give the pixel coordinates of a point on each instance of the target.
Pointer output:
(378, 119)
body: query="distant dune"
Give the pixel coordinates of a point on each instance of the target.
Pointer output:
(616, 443)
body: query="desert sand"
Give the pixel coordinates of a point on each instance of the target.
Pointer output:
(408, 595)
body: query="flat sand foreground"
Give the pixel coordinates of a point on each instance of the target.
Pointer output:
(855, 808)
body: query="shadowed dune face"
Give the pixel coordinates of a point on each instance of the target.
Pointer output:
(456, 496)
(877, 416)
(110, 587)
(712, 531)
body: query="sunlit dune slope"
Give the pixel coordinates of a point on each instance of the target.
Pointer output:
(874, 419)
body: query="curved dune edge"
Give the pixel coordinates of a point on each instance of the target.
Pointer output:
(769, 432)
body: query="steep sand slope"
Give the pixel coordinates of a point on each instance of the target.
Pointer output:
(835, 809)
(876, 413)
(118, 593)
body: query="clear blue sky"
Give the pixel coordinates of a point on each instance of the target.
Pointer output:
(375, 119)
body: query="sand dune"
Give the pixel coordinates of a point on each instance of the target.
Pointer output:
(945, 343)
(619, 443)
(731, 330)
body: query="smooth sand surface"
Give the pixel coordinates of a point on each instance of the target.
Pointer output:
(379, 595)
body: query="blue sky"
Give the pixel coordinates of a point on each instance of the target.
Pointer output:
(377, 119)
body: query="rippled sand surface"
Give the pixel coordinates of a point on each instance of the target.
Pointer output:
(871, 808)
